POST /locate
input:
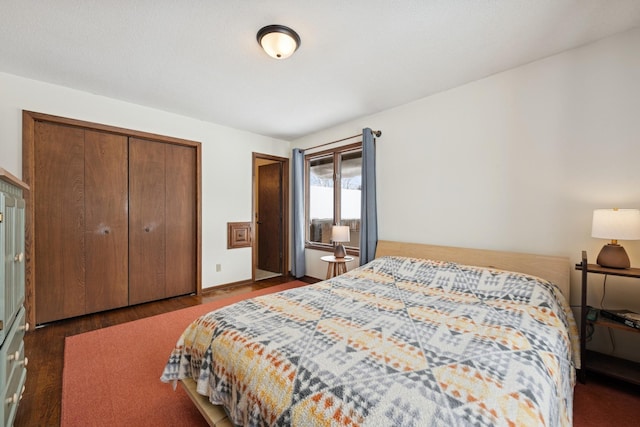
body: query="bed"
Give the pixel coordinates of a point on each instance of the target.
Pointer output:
(422, 335)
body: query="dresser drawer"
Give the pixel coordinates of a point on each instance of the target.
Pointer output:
(13, 394)
(13, 371)
(12, 350)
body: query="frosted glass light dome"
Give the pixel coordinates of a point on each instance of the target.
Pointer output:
(278, 41)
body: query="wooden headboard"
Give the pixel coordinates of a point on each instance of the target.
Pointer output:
(552, 268)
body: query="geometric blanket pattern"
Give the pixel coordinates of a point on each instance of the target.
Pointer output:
(396, 342)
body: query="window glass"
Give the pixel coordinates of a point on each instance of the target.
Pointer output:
(350, 186)
(321, 199)
(333, 195)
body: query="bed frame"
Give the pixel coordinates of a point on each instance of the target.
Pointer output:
(552, 268)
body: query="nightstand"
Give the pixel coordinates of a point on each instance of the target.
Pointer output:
(593, 361)
(337, 266)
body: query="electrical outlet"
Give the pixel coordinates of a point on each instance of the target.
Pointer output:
(218, 268)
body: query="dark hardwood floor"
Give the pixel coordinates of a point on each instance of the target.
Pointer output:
(44, 347)
(41, 403)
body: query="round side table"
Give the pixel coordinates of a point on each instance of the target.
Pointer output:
(336, 266)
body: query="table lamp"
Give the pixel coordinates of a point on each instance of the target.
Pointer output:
(615, 224)
(339, 234)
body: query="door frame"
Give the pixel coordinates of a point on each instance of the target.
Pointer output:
(284, 185)
(29, 119)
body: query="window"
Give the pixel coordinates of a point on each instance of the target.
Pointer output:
(333, 195)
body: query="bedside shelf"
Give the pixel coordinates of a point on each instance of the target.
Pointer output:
(593, 361)
(613, 367)
(623, 272)
(614, 325)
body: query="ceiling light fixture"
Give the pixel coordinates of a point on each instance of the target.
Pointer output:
(278, 41)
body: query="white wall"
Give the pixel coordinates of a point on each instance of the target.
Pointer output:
(226, 158)
(517, 161)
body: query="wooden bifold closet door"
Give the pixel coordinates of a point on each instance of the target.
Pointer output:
(115, 220)
(161, 220)
(81, 221)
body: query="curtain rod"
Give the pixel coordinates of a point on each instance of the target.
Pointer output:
(377, 133)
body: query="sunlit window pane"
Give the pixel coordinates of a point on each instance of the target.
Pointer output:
(320, 199)
(350, 186)
(332, 193)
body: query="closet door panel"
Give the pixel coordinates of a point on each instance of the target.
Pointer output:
(146, 221)
(180, 219)
(106, 221)
(59, 221)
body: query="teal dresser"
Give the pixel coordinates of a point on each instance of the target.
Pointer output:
(13, 363)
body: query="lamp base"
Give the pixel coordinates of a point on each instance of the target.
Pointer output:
(613, 256)
(339, 251)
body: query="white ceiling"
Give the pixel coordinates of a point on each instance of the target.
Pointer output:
(201, 59)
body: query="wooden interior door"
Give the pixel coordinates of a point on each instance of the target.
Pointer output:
(59, 221)
(81, 221)
(147, 276)
(269, 217)
(180, 220)
(106, 221)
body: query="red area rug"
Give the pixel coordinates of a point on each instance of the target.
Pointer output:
(111, 376)
(603, 402)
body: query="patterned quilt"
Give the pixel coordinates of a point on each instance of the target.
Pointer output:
(396, 342)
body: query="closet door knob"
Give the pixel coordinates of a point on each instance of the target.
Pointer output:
(19, 257)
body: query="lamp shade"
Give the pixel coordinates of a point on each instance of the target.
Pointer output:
(616, 224)
(340, 233)
(278, 41)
